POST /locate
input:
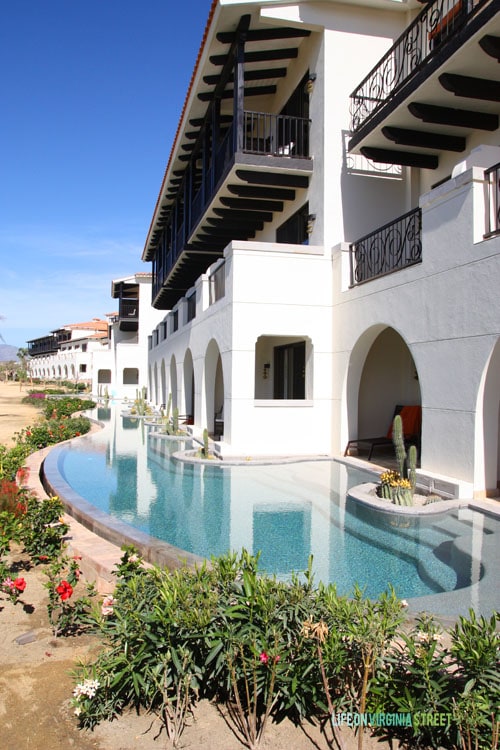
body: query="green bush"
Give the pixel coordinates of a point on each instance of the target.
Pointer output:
(63, 407)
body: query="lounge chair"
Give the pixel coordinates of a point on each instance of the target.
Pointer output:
(412, 424)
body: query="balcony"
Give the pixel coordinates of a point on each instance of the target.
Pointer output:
(237, 166)
(390, 248)
(410, 97)
(128, 314)
(44, 345)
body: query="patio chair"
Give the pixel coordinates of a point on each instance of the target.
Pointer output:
(412, 425)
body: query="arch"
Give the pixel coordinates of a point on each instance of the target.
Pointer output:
(163, 382)
(188, 382)
(214, 390)
(487, 428)
(173, 381)
(381, 374)
(154, 391)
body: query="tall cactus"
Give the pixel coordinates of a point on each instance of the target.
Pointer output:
(399, 444)
(412, 467)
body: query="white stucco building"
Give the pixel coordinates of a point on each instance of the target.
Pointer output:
(66, 354)
(120, 369)
(325, 244)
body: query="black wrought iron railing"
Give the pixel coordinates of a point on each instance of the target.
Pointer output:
(276, 135)
(390, 248)
(128, 309)
(430, 30)
(492, 176)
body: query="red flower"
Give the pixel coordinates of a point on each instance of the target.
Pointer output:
(64, 590)
(20, 584)
(264, 658)
(43, 558)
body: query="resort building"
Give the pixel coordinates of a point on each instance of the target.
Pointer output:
(325, 246)
(120, 369)
(67, 353)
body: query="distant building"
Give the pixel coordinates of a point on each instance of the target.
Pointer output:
(67, 352)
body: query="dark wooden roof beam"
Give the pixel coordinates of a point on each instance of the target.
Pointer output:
(424, 139)
(253, 205)
(236, 222)
(471, 88)
(249, 75)
(231, 213)
(460, 118)
(260, 56)
(246, 191)
(405, 158)
(263, 35)
(278, 179)
(207, 96)
(491, 45)
(197, 122)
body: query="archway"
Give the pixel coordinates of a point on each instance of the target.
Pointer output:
(173, 381)
(381, 375)
(163, 382)
(214, 390)
(487, 429)
(188, 382)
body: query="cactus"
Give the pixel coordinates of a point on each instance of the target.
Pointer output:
(175, 421)
(205, 443)
(399, 444)
(412, 467)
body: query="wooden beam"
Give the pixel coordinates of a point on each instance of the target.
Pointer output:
(471, 88)
(405, 158)
(207, 96)
(253, 205)
(262, 35)
(229, 213)
(460, 118)
(273, 178)
(197, 122)
(250, 75)
(290, 53)
(491, 45)
(424, 139)
(246, 191)
(238, 220)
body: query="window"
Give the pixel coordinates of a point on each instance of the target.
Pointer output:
(104, 376)
(175, 321)
(290, 371)
(83, 368)
(294, 230)
(191, 307)
(217, 284)
(130, 376)
(84, 347)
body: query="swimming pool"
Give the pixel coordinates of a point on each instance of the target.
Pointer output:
(287, 512)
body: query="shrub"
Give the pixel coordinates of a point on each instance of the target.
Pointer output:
(64, 407)
(43, 529)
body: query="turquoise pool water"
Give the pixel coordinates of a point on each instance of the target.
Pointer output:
(286, 512)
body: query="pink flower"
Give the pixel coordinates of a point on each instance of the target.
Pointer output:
(264, 658)
(107, 605)
(8, 583)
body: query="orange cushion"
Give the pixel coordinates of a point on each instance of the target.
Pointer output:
(412, 421)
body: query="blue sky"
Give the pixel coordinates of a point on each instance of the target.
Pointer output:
(91, 97)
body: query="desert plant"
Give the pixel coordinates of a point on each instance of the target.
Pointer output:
(67, 617)
(43, 528)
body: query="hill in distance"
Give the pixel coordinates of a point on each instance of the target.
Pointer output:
(8, 353)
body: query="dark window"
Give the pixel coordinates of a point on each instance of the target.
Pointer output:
(290, 371)
(175, 321)
(294, 230)
(191, 307)
(83, 368)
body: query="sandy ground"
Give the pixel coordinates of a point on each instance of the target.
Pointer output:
(14, 415)
(36, 682)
